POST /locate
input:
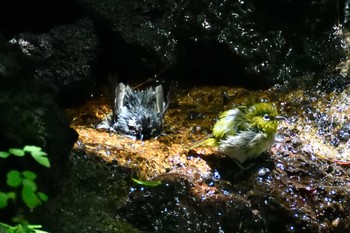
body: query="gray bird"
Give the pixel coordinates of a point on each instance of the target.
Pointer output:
(137, 113)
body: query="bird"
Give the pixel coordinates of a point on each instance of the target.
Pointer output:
(244, 132)
(138, 114)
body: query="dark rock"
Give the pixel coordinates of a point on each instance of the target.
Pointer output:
(13, 62)
(175, 206)
(67, 55)
(246, 43)
(92, 190)
(39, 16)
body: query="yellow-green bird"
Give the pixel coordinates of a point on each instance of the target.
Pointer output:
(243, 133)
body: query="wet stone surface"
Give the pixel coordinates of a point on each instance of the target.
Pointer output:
(300, 185)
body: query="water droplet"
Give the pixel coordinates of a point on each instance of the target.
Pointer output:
(263, 171)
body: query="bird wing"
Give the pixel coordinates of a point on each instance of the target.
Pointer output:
(230, 123)
(208, 142)
(118, 98)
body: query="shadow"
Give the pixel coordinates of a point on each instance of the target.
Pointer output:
(230, 170)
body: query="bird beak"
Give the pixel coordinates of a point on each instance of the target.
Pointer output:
(280, 118)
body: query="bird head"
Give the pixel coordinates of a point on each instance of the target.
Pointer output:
(263, 117)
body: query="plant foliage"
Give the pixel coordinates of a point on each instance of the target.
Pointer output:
(23, 188)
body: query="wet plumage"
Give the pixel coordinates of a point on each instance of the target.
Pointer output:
(137, 113)
(244, 133)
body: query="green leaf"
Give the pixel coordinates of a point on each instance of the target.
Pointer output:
(3, 200)
(31, 149)
(35, 228)
(11, 195)
(29, 184)
(5, 227)
(29, 175)
(20, 229)
(4, 154)
(40, 231)
(14, 178)
(29, 197)
(19, 219)
(17, 152)
(39, 153)
(43, 196)
(40, 157)
(147, 183)
(43, 161)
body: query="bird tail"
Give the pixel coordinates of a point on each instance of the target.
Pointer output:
(208, 142)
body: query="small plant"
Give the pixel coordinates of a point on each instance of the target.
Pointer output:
(22, 183)
(29, 193)
(36, 152)
(20, 228)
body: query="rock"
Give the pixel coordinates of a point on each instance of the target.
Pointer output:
(245, 43)
(66, 57)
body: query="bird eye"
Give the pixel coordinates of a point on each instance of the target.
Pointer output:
(266, 117)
